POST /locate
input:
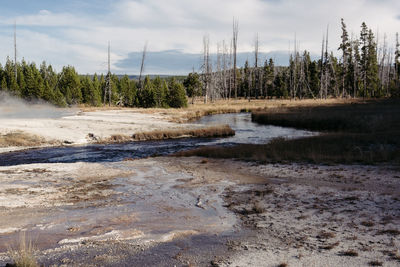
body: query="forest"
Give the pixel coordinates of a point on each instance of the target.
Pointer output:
(364, 69)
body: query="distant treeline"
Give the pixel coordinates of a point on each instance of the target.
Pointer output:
(363, 69)
(68, 88)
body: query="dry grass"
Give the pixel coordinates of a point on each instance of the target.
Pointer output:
(329, 246)
(371, 116)
(328, 148)
(199, 108)
(24, 255)
(204, 132)
(326, 235)
(21, 139)
(361, 133)
(212, 131)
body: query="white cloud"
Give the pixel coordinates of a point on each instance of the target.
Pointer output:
(80, 39)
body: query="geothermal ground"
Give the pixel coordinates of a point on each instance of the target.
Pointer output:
(191, 211)
(167, 211)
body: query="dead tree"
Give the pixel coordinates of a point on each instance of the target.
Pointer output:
(256, 76)
(234, 41)
(218, 75)
(326, 63)
(15, 50)
(206, 67)
(321, 86)
(107, 88)
(224, 66)
(230, 70)
(142, 65)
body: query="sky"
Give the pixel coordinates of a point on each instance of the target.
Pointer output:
(77, 32)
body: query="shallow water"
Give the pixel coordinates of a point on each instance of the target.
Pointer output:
(246, 132)
(151, 204)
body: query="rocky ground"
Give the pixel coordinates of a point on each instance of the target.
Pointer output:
(196, 212)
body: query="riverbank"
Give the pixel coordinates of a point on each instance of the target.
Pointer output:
(44, 126)
(360, 133)
(198, 212)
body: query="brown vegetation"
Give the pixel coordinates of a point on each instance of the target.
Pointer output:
(204, 132)
(24, 255)
(21, 139)
(361, 133)
(350, 253)
(327, 148)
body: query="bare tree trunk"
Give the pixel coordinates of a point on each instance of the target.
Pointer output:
(230, 71)
(206, 66)
(107, 88)
(255, 71)
(234, 40)
(15, 50)
(142, 65)
(224, 65)
(321, 87)
(326, 61)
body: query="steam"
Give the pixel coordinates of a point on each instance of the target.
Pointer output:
(14, 107)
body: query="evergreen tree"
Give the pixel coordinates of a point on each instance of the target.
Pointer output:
(97, 95)
(10, 76)
(372, 77)
(345, 46)
(193, 85)
(20, 80)
(4, 84)
(127, 94)
(268, 77)
(69, 85)
(146, 95)
(364, 57)
(177, 96)
(160, 93)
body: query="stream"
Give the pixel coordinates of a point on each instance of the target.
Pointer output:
(152, 210)
(246, 132)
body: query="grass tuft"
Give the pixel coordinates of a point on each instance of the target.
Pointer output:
(350, 253)
(24, 255)
(21, 139)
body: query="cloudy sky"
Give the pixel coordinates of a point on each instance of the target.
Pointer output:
(76, 32)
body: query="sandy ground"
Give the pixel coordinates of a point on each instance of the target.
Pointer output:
(197, 212)
(85, 127)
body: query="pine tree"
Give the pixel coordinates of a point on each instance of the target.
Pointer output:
(159, 93)
(69, 85)
(4, 84)
(344, 46)
(176, 96)
(146, 95)
(268, 77)
(372, 76)
(364, 57)
(193, 85)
